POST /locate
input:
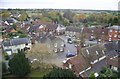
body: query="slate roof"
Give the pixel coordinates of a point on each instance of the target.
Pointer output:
(7, 43)
(73, 29)
(16, 41)
(113, 46)
(9, 20)
(114, 27)
(88, 55)
(33, 28)
(94, 52)
(114, 62)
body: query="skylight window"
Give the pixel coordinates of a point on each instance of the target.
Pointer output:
(103, 51)
(87, 51)
(97, 52)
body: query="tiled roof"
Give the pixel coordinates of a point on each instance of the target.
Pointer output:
(79, 63)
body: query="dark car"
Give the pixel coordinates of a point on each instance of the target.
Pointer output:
(70, 55)
(69, 40)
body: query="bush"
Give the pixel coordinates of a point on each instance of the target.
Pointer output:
(6, 56)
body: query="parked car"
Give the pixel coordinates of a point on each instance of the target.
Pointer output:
(56, 50)
(61, 49)
(34, 60)
(70, 55)
(69, 40)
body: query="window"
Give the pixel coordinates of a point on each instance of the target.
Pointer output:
(87, 52)
(116, 31)
(115, 35)
(110, 30)
(110, 39)
(118, 36)
(26, 44)
(97, 52)
(92, 30)
(103, 51)
(110, 35)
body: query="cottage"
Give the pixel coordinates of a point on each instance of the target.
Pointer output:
(13, 45)
(60, 29)
(113, 63)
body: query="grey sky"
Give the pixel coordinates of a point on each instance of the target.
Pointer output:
(61, 4)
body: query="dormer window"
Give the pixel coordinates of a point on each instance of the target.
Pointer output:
(103, 51)
(110, 35)
(103, 32)
(115, 35)
(110, 39)
(55, 45)
(116, 31)
(97, 52)
(111, 30)
(92, 30)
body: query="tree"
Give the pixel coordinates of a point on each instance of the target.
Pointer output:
(92, 76)
(19, 64)
(14, 26)
(69, 15)
(60, 73)
(23, 16)
(5, 14)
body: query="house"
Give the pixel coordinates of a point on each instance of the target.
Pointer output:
(96, 33)
(113, 63)
(91, 33)
(114, 33)
(60, 29)
(39, 26)
(73, 31)
(13, 45)
(9, 21)
(56, 44)
(77, 64)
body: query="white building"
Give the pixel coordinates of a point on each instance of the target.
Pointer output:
(13, 45)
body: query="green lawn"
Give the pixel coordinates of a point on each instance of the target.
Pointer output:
(38, 73)
(34, 73)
